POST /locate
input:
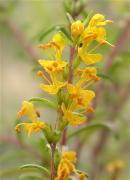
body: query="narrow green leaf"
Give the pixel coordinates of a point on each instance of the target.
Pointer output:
(16, 171)
(65, 34)
(30, 177)
(105, 76)
(69, 17)
(87, 18)
(89, 129)
(43, 34)
(45, 102)
(35, 166)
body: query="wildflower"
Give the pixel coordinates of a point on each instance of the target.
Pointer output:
(81, 97)
(56, 45)
(77, 28)
(96, 26)
(115, 166)
(98, 20)
(94, 31)
(54, 87)
(72, 117)
(88, 57)
(67, 166)
(87, 77)
(53, 68)
(34, 126)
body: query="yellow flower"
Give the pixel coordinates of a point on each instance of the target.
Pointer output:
(81, 97)
(71, 156)
(96, 28)
(28, 109)
(34, 126)
(87, 77)
(53, 88)
(57, 44)
(115, 166)
(98, 20)
(67, 166)
(59, 41)
(53, 68)
(94, 31)
(72, 117)
(77, 28)
(88, 57)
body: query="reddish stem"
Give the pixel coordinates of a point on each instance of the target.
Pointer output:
(70, 78)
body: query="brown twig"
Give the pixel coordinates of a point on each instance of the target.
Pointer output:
(13, 141)
(118, 45)
(21, 39)
(70, 78)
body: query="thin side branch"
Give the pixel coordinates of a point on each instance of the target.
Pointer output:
(22, 41)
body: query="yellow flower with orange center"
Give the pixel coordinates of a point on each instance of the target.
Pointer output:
(73, 118)
(34, 126)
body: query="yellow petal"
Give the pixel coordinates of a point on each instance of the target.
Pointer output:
(59, 41)
(89, 58)
(77, 28)
(69, 155)
(28, 109)
(54, 88)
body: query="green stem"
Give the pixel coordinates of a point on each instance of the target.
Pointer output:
(53, 172)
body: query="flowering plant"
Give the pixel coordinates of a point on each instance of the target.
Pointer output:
(69, 82)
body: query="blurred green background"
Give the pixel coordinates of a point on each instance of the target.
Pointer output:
(22, 22)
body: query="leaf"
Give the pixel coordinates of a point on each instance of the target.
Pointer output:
(105, 76)
(43, 34)
(30, 177)
(44, 102)
(69, 17)
(89, 129)
(65, 35)
(17, 171)
(87, 18)
(35, 166)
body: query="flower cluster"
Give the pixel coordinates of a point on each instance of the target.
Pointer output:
(67, 167)
(69, 82)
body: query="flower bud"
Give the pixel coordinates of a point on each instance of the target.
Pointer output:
(77, 28)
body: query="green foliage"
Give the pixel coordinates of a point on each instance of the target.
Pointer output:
(89, 129)
(35, 167)
(44, 102)
(105, 76)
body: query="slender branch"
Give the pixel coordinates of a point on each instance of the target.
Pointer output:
(13, 141)
(118, 45)
(22, 41)
(70, 76)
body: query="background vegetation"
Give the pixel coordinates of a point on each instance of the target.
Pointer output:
(22, 27)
